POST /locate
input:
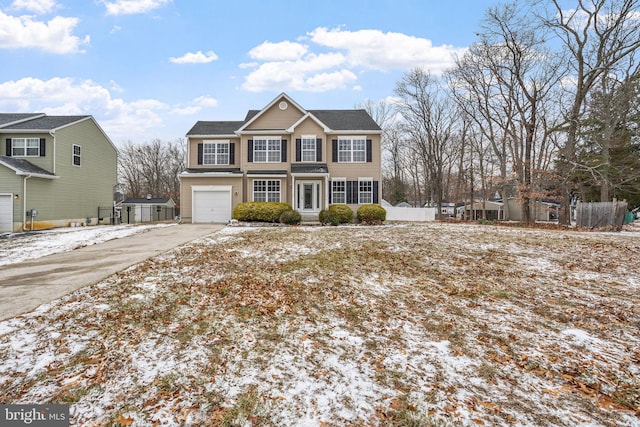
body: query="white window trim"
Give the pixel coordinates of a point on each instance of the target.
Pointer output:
(344, 182)
(24, 147)
(215, 152)
(351, 150)
(267, 151)
(267, 192)
(73, 155)
(370, 181)
(315, 148)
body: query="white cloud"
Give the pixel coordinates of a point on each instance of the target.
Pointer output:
(54, 36)
(376, 50)
(195, 58)
(120, 119)
(309, 73)
(197, 105)
(132, 7)
(333, 58)
(206, 101)
(35, 6)
(283, 51)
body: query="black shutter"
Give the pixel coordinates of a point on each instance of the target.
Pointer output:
(369, 155)
(232, 153)
(283, 152)
(330, 191)
(200, 153)
(298, 150)
(8, 147)
(318, 149)
(334, 151)
(250, 152)
(375, 192)
(43, 144)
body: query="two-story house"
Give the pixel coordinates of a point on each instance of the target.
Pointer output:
(60, 168)
(282, 153)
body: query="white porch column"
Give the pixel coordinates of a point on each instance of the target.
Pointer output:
(326, 192)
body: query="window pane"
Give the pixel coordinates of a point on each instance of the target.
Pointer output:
(339, 194)
(309, 150)
(365, 193)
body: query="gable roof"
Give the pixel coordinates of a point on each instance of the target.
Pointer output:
(38, 122)
(331, 120)
(203, 128)
(43, 123)
(346, 119)
(25, 168)
(7, 119)
(282, 97)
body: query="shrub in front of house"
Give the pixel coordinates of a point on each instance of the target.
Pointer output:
(290, 217)
(371, 214)
(328, 217)
(260, 211)
(343, 213)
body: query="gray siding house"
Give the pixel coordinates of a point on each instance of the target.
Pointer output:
(63, 167)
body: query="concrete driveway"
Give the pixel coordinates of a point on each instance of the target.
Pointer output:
(26, 285)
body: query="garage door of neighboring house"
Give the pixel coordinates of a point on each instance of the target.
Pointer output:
(6, 213)
(211, 204)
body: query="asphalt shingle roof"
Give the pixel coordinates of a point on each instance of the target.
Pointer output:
(215, 128)
(7, 118)
(346, 119)
(334, 119)
(45, 123)
(24, 166)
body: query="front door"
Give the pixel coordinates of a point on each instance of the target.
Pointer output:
(308, 196)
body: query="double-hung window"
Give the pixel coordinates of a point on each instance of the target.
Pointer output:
(25, 147)
(339, 191)
(352, 149)
(267, 149)
(76, 155)
(266, 190)
(365, 190)
(215, 153)
(309, 148)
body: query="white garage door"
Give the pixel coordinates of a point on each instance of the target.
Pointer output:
(6, 213)
(212, 206)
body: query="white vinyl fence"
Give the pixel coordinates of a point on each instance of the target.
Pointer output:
(410, 214)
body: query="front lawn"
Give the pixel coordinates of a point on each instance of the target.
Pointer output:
(406, 325)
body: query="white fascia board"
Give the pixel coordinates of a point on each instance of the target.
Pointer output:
(325, 128)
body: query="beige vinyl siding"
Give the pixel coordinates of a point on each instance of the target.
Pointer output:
(276, 119)
(186, 193)
(192, 161)
(352, 171)
(266, 166)
(285, 186)
(80, 190)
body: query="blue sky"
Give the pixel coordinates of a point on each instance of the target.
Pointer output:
(148, 69)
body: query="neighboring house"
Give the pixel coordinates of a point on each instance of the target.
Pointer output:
(282, 153)
(135, 210)
(63, 167)
(542, 211)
